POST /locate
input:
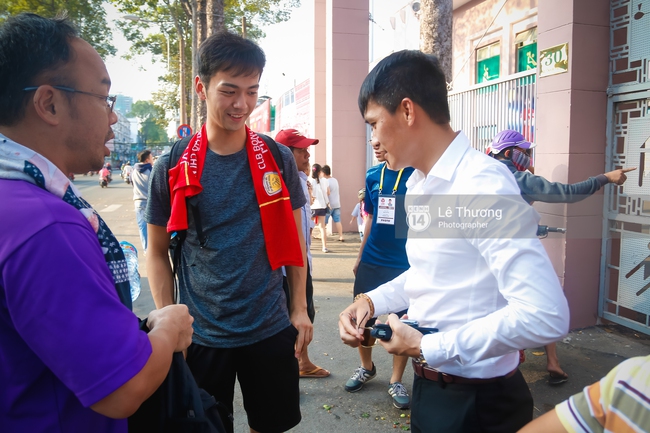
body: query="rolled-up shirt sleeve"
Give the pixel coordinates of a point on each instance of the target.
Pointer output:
(390, 296)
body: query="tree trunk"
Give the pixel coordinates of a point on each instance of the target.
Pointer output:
(208, 18)
(181, 78)
(198, 36)
(436, 22)
(214, 16)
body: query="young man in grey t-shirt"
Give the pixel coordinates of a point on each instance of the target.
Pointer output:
(243, 328)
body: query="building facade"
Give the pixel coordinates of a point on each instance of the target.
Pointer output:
(123, 104)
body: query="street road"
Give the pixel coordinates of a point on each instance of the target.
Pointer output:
(586, 355)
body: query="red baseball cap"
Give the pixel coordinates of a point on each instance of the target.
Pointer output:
(293, 138)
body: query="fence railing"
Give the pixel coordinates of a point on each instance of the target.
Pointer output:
(483, 110)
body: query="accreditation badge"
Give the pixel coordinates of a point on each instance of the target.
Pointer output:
(386, 210)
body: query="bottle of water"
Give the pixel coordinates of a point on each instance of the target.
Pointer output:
(131, 255)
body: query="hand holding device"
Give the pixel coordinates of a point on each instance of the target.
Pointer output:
(384, 332)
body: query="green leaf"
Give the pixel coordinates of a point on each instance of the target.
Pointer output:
(88, 15)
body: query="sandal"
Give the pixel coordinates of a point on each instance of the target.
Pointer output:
(557, 379)
(316, 373)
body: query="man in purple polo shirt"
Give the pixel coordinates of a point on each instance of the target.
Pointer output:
(72, 358)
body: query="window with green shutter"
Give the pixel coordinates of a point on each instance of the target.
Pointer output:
(526, 44)
(488, 62)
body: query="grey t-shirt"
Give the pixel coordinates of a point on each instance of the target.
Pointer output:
(228, 286)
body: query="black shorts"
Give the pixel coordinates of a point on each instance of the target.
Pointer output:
(318, 212)
(369, 277)
(268, 376)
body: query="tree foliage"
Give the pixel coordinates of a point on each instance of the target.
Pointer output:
(151, 133)
(166, 21)
(89, 16)
(152, 122)
(259, 14)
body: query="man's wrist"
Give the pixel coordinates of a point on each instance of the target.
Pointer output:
(421, 359)
(370, 303)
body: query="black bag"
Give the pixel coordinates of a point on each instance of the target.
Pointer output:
(178, 405)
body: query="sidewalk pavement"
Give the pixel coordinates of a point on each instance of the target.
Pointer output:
(586, 355)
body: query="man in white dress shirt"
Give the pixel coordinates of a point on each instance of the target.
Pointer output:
(489, 291)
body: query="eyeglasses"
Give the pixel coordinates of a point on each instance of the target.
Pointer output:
(110, 100)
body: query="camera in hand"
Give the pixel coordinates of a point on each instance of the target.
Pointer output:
(383, 331)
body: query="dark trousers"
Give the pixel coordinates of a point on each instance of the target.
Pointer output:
(499, 407)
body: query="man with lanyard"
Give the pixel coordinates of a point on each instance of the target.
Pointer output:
(230, 275)
(511, 148)
(489, 296)
(72, 356)
(381, 258)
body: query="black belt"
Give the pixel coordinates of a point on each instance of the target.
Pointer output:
(428, 373)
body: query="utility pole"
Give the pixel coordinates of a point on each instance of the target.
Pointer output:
(243, 26)
(181, 72)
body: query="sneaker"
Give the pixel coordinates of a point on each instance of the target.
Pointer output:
(401, 399)
(325, 250)
(359, 378)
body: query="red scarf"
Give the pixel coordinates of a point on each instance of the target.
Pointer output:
(278, 223)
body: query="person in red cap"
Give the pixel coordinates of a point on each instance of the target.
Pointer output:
(299, 146)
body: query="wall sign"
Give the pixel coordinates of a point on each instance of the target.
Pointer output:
(554, 60)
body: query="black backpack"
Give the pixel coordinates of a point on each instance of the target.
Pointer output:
(178, 237)
(178, 405)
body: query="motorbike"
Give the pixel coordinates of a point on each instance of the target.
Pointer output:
(104, 181)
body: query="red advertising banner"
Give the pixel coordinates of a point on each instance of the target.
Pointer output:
(260, 118)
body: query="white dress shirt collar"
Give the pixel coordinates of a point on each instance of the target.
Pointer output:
(445, 167)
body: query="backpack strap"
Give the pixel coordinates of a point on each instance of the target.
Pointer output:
(179, 238)
(193, 203)
(275, 151)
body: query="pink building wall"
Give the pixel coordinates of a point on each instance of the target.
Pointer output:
(318, 81)
(571, 131)
(346, 66)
